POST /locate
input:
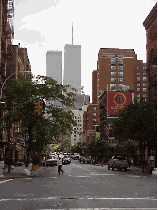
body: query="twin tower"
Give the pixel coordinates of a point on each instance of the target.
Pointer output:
(72, 66)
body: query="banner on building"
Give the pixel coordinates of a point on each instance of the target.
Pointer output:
(117, 101)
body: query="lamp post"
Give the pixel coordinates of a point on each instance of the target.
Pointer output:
(8, 78)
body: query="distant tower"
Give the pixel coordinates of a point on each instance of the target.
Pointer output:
(54, 65)
(72, 33)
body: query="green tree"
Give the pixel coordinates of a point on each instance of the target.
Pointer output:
(137, 121)
(20, 96)
(98, 148)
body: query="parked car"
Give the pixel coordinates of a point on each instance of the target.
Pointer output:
(51, 160)
(118, 162)
(87, 160)
(76, 156)
(66, 160)
(19, 163)
(72, 156)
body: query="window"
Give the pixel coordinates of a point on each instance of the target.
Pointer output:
(138, 78)
(138, 67)
(120, 67)
(138, 72)
(112, 86)
(94, 108)
(144, 72)
(120, 74)
(120, 85)
(138, 89)
(145, 95)
(138, 84)
(120, 61)
(138, 95)
(144, 78)
(94, 120)
(113, 61)
(144, 67)
(144, 89)
(113, 79)
(94, 114)
(113, 67)
(74, 135)
(120, 79)
(113, 74)
(144, 84)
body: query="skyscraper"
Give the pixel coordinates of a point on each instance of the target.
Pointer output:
(72, 66)
(54, 65)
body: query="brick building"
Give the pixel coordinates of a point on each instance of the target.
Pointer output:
(115, 69)
(150, 25)
(90, 120)
(141, 83)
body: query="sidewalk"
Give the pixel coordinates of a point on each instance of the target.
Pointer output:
(17, 172)
(134, 170)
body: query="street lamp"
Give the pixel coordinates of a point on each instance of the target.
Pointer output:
(8, 78)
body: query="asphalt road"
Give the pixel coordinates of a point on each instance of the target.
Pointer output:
(80, 187)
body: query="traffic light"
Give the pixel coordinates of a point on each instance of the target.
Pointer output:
(43, 106)
(37, 107)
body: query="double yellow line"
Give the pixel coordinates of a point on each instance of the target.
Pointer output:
(85, 169)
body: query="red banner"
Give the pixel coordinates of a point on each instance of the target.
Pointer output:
(117, 101)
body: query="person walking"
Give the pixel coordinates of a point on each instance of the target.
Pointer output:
(59, 163)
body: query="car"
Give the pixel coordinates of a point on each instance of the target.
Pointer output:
(118, 162)
(72, 156)
(66, 160)
(76, 156)
(19, 163)
(51, 160)
(87, 160)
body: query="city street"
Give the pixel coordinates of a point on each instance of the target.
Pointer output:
(82, 186)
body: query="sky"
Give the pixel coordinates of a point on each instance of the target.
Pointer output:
(42, 25)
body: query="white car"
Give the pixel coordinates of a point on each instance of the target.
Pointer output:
(51, 160)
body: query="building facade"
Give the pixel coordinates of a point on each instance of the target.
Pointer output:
(141, 83)
(150, 25)
(54, 65)
(115, 69)
(72, 66)
(94, 87)
(90, 121)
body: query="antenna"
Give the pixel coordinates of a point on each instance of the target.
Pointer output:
(72, 33)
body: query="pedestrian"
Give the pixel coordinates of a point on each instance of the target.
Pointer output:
(129, 162)
(102, 162)
(59, 163)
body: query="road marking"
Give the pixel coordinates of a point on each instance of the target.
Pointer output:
(5, 181)
(104, 209)
(75, 198)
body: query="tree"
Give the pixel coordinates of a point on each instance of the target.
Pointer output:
(20, 96)
(137, 121)
(98, 148)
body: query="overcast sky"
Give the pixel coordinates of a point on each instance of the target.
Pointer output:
(42, 25)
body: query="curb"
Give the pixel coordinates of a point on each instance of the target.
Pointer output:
(23, 176)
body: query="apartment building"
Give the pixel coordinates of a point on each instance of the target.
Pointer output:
(141, 83)
(150, 25)
(90, 120)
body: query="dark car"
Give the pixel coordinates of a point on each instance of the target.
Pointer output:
(66, 160)
(19, 163)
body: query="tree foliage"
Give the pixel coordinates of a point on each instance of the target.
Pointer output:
(137, 121)
(20, 96)
(98, 148)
